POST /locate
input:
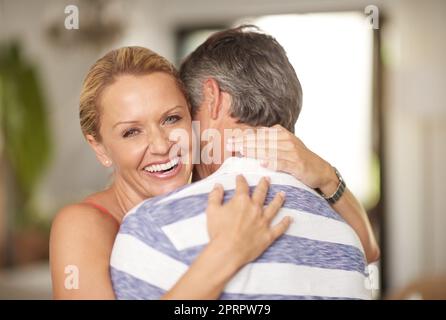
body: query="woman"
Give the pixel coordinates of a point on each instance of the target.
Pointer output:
(134, 83)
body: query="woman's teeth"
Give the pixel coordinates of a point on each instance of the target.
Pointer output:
(162, 167)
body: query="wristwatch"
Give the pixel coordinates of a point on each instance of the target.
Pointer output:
(339, 190)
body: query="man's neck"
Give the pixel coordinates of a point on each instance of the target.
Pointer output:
(195, 175)
(204, 170)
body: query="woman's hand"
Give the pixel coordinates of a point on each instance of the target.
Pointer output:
(283, 151)
(239, 230)
(243, 224)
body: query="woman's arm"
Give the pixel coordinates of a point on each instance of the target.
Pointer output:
(292, 156)
(80, 246)
(354, 214)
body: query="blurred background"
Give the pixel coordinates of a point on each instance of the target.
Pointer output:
(374, 82)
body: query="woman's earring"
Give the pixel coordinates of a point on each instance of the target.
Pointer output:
(107, 163)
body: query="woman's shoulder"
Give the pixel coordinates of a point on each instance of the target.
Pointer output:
(82, 238)
(84, 219)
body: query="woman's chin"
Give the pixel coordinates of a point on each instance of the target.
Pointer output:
(166, 187)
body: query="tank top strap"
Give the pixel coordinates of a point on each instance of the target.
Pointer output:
(102, 209)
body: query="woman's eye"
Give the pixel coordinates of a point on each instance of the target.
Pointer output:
(130, 132)
(172, 119)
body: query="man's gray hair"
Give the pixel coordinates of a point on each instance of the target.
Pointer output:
(253, 68)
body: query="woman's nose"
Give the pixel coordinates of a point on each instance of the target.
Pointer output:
(159, 142)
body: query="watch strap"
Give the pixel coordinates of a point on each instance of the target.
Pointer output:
(332, 199)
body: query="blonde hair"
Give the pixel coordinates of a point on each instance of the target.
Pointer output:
(122, 61)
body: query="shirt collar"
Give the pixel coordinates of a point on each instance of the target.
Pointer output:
(242, 165)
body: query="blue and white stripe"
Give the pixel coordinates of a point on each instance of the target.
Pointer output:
(319, 257)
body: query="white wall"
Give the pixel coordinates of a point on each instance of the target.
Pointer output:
(61, 71)
(416, 130)
(74, 171)
(414, 47)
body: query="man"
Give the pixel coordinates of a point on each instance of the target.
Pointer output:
(241, 79)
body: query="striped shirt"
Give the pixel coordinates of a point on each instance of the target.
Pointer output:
(319, 257)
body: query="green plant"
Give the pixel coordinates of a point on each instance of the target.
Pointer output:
(23, 129)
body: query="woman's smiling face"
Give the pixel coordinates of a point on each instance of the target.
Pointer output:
(137, 115)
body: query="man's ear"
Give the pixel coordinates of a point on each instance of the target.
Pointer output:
(212, 98)
(100, 151)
